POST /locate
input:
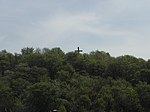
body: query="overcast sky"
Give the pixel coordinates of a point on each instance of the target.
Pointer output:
(116, 26)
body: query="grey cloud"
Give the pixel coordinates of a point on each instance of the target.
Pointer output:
(117, 26)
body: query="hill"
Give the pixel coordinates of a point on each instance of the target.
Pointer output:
(43, 80)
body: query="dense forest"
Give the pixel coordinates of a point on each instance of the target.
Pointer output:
(47, 80)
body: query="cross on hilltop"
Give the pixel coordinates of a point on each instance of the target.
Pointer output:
(78, 50)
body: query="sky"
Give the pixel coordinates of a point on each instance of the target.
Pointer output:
(120, 27)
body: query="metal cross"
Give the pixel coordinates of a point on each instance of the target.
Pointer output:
(78, 50)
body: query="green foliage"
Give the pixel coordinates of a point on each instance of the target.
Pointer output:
(27, 51)
(5, 59)
(41, 97)
(83, 103)
(43, 80)
(144, 75)
(126, 99)
(143, 90)
(62, 109)
(6, 98)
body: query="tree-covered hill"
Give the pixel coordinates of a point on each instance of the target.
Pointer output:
(43, 80)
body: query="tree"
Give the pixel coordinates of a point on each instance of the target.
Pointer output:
(34, 59)
(62, 109)
(143, 90)
(83, 103)
(31, 74)
(41, 97)
(144, 75)
(54, 61)
(27, 50)
(106, 95)
(126, 99)
(49, 79)
(78, 61)
(125, 67)
(4, 63)
(6, 98)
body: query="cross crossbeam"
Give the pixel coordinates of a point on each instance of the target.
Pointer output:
(78, 50)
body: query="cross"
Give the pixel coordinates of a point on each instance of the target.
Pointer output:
(78, 50)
